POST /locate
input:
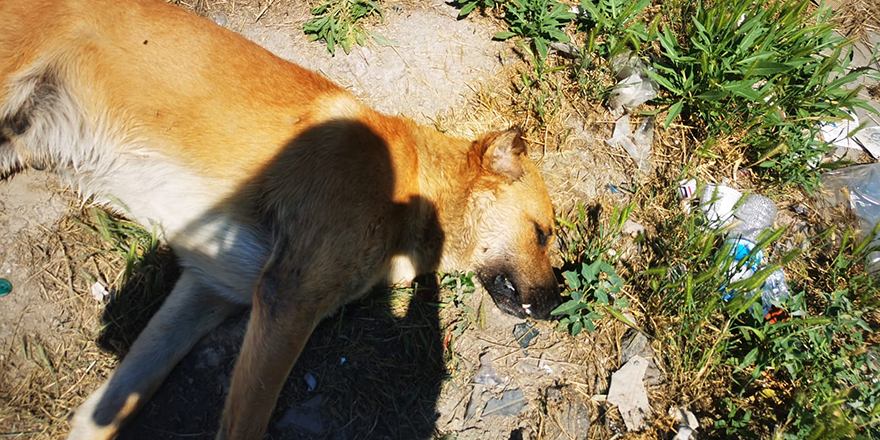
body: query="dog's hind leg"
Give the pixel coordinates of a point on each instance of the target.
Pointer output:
(191, 310)
(278, 329)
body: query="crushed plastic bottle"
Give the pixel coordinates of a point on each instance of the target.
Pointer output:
(774, 290)
(754, 215)
(742, 265)
(718, 202)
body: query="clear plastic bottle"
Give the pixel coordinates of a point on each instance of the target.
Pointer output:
(754, 215)
(775, 289)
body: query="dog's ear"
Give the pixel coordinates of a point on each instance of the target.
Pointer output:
(501, 153)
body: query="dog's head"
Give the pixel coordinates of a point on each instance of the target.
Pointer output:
(513, 227)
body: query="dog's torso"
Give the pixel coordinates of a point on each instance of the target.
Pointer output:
(190, 157)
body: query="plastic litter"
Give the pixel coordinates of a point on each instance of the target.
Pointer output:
(746, 218)
(511, 403)
(634, 86)
(628, 392)
(5, 286)
(862, 184)
(685, 421)
(837, 133)
(869, 138)
(567, 50)
(219, 18)
(486, 375)
(755, 214)
(774, 290)
(99, 292)
(638, 145)
(718, 202)
(524, 333)
(687, 189)
(743, 263)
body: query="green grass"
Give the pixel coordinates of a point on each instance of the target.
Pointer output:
(766, 71)
(149, 273)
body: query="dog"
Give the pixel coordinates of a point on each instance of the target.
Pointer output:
(274, 186)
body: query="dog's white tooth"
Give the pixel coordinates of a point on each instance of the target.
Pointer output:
(527, 308)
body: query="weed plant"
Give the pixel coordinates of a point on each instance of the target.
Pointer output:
(612, 26)
(336, 23)
(468, 6)
(540, 21)
(594, 289)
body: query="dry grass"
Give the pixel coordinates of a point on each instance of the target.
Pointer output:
(49, 373)
(858, 18)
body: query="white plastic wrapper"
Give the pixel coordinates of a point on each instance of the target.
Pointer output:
(637, 144)
(634, 86)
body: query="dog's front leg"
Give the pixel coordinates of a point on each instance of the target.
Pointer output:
(281, 321)
(191, 311)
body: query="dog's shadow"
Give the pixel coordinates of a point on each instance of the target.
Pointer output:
(366, 373)
(373, 370)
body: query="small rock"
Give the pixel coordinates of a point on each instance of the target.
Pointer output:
(305, 416)
(510, 404)
(632, 228)
(524, 332)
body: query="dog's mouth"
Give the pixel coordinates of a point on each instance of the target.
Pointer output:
(508, 297)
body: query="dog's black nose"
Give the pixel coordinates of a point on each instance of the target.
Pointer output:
(502, 285)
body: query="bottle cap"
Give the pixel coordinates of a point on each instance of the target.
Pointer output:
(5, 286)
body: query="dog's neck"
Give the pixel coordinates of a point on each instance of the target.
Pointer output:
(446, 177)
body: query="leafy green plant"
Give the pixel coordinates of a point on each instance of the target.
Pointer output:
(541, 21)
(587, 238)
(336, 23)
(594, 288)
(613, 25)
(764, 70)
(468, 6)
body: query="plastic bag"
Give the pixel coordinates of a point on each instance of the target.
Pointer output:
(859, 186)
(634, 87)
(863, 192)
(638, 145)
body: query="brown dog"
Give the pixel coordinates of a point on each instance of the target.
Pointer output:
(275, 187)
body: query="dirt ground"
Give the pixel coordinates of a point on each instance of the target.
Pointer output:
(389, 367)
